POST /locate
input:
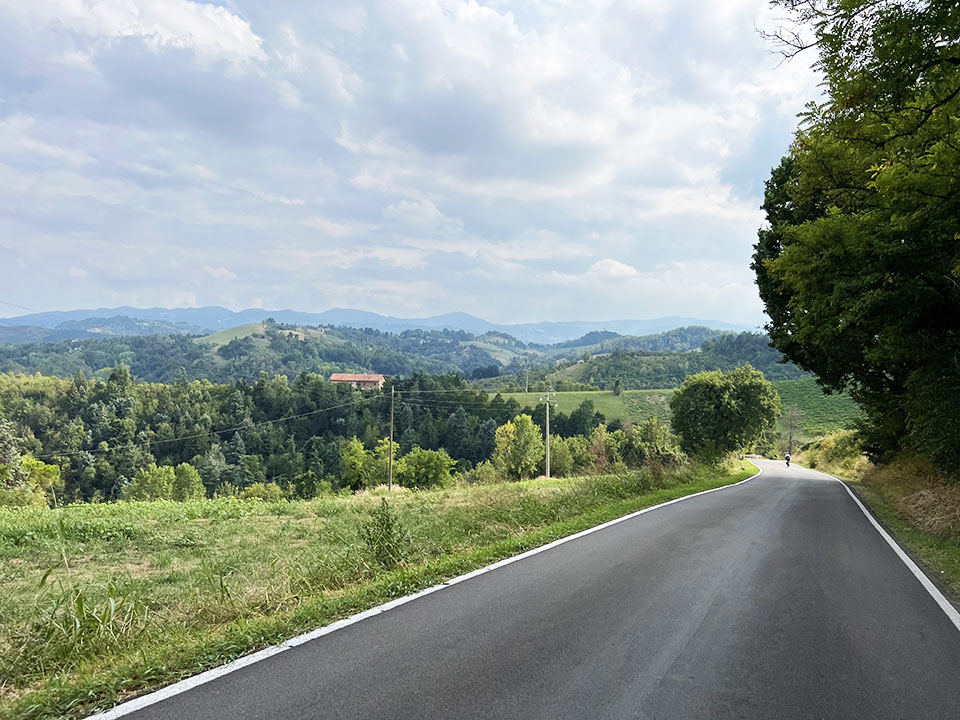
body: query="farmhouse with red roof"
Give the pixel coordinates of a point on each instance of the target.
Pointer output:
(359, 381)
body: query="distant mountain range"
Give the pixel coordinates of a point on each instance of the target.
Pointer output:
(76, 324)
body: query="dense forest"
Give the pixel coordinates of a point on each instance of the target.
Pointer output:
(243, 353)
(678, 340)
(270, 348)
(102, 433)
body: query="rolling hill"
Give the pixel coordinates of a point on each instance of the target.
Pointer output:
(91, 328)
(212, 319)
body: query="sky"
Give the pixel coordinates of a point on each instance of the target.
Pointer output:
(519, 161)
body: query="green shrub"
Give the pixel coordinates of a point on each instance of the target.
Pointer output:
(386, 541)
(267, 492)
(836, 452)
(483, 474)
(187, 483)
(425, 469)
(226, 490)
(659, 447)
(579, 453)
(150, 483)
(519, 448)
(561, 459)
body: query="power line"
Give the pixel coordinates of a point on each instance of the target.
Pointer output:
(21, 307)
(206, 433)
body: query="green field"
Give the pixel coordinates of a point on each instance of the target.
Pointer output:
(99, 602)
(823, 413)
(631, 406)
(235, 333)
(501, 352)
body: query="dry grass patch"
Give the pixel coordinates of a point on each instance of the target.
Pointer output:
(919, 493)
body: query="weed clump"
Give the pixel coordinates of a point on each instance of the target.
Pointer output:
(386, 540)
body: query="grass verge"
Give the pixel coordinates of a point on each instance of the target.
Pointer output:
(922, 509)
(911, 499)
(102, 603)
(941, 555)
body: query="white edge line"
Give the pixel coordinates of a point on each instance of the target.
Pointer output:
(948, 609)
(189, 683)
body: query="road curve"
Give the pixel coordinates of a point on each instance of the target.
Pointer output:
(772, 599)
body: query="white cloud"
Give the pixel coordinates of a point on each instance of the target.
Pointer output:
(328, 227)
(394, 154)
(17, 137)
(213, 32)
(608, 268)
(415, 212)
(219, 273)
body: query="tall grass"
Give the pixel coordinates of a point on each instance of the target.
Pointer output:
(100, 601)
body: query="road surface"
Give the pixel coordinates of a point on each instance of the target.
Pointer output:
(772, 599)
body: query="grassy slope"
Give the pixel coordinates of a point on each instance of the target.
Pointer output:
(192, 591)
(632, 405)
(223, 337)
(824, 413)
(502, 353)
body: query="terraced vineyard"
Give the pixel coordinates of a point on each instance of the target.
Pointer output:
(824, 413)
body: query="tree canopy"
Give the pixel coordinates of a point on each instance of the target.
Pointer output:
(859, 267)
(717, 412)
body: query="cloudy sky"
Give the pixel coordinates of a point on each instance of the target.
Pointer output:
(547, 160)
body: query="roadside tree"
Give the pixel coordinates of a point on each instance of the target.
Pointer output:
(716, 412)
(519, 448)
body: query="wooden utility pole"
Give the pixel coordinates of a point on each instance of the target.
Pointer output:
(390, 461)
(548, 435)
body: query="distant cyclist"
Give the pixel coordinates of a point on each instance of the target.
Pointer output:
(788, 459)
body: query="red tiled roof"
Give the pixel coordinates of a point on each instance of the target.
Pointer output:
(352, 377)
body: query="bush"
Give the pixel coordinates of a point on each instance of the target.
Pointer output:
(840, 451)
(561, 459)
(483, 474)
(150, 483)
(604, 448)
(187, 484)
(226, 490)
(579, 453)
(519, 448)
(267, 492)
(386, 540)
(425, 468)
(658, 446)
(22, 496)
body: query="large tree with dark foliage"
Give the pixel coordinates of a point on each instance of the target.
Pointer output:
(859, 268)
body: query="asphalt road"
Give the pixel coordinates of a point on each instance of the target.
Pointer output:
(772, 599)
